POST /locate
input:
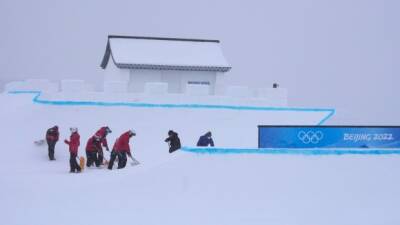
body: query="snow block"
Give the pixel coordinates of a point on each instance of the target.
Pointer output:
(275, 96)
(157, 88)
(238, 91)
(16, 86)
(195, 89)
(73, 86)
(115, 87)
(42, 85)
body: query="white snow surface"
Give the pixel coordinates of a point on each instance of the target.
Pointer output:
(180, 188)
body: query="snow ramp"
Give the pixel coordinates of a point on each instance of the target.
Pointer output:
(183, 188)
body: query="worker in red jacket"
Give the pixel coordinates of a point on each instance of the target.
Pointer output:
(102, 133)
(52, 135)
(121, 149)
(93, 147)
(74, 142)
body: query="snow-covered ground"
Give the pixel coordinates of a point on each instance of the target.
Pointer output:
(181, 188)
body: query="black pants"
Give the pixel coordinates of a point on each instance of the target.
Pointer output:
(100, 156)
(73, 163)
(112, 159)
(121, 159)
(52, 145)
(92, 158)
(173, 148)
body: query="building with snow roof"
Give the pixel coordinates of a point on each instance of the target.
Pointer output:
(159, 70)
(175, 65)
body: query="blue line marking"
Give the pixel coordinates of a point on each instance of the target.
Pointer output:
(291, 151)
(191, 106)
(333, 111)
(24, 92)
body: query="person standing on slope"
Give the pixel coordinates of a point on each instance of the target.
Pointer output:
(52, 136)
(73, 143)
(121, 149)
(93, 146)
(173, 140)
(205, 140)
(102, 133)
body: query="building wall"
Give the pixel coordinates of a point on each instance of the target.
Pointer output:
(113, 73)
(138, 79)
(173, 78)
(193, 76)
(176, 80)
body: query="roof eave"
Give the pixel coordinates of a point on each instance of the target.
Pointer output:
(163, 38)
(108, 53)
(173, 67)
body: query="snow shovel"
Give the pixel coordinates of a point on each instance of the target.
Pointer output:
(134, 161)
(39, 142)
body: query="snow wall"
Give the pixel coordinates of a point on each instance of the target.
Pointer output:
(156, 92)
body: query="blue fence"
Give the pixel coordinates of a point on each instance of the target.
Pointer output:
(329, 137)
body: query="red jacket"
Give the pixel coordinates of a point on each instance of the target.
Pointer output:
(74, 142)
(122, 143)
(102, 133)
(115, 144)
(92, 145)
(52, 134)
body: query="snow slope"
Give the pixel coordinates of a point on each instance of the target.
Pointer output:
(181, 188)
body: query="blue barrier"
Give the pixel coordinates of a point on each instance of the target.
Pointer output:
(37, 100)
(288, 151)
(375, 137)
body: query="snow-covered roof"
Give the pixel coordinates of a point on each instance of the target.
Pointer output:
(165, 54)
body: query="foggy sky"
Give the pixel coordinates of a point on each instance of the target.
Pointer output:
(341, 54)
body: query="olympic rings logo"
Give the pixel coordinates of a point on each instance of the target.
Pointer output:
(310, 136)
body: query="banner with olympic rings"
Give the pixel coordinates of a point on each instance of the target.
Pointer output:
(329, 136)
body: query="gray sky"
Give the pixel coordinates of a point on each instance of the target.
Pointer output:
(342, 54)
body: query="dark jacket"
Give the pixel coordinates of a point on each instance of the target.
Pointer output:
(174, 141)
(52, 134)
(205, 140)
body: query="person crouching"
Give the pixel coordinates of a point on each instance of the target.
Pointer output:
(173, 141)
(121, 149)
(102, 133)
(93, 146)
(206, 140)
(74, 142)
